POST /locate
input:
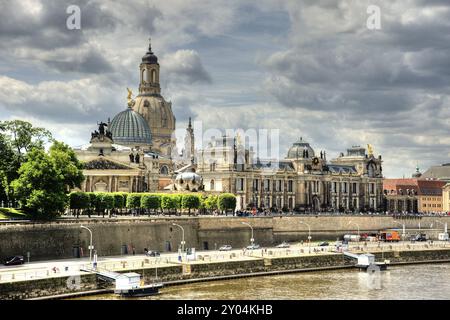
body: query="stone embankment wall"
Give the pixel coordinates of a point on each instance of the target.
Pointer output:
(56, 240)
(210, 271)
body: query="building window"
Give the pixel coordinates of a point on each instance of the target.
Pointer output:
(255, 185)
(164, 170)
(266, 185)
(212, 167)
(290, 186)
(354, 189)
(267, 202)
(211, 185)
(279, 185)
(334, 188)
(240, 184)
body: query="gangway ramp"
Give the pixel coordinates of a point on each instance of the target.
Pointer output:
(351, 255)
(105, 275)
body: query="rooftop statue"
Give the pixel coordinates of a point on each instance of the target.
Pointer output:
(131, 101)
(370, 150)
(101, 127)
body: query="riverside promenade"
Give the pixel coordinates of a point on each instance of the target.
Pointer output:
(64, 277)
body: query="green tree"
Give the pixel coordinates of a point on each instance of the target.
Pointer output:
(93, 202)
(119, 200)
(16, 138)
(107, 203)
(78, 200)
(177, 201)
(46, 176)
(190, 201)
(211, 202)
(9, 165)
(134, 201)
(70, 169)
(168, 202)
(151, 202)
(226, 202)
(24, 137)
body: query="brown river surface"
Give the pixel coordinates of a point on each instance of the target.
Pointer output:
(426, 281)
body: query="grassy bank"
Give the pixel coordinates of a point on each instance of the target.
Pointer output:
(11, 213)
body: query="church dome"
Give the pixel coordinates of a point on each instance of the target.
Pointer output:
(298, 148)
(149, 56)
(129, 128)
(188, 181)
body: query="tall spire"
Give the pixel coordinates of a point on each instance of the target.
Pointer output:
(190, 124)
(150, 45)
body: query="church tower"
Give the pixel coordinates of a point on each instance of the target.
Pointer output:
(156, 111)
(149, 74)
(189, 144)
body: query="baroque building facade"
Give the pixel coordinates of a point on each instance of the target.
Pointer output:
(303, 181)
(136, 152)
(132, 152)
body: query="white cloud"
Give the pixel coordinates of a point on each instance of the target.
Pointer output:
(185, 66)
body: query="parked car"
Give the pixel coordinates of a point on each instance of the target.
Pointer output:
(284, 244)
(12, 261)
(226, 247)
(152, 253)
(253, 247)
(324, 244)
(419, 237)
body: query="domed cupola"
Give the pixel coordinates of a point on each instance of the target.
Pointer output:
(150, 104)
(188, 181)
(149, 57)
(300, 150)
(129, 128)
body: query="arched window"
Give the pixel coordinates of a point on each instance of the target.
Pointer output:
(153, 76)
(164, 170)
(146, 75)
(371, 169)
(211, 185)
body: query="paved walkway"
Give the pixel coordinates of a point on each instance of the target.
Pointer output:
(71, 267)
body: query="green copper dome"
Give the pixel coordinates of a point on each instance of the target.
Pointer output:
(129, 127)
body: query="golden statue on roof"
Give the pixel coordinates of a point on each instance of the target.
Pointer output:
(131, 101)
(370, 150)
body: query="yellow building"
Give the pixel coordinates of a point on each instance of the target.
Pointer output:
(430, 196)
(446, 198)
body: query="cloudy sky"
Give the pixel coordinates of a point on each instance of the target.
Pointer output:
(309, 68)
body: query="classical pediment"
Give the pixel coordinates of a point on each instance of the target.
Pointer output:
(104, 164)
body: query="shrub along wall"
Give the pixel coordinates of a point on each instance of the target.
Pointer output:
(147, 203)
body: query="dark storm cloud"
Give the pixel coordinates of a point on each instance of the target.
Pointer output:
(309, 68)
(90, 62)
(358, 74)
(44, 25)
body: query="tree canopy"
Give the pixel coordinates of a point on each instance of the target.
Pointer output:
(44, 179)
(17, 137)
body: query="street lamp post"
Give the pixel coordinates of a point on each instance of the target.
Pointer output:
(252, 240)
(309, 234)
(182, 236)
(91, 247)
(404, 229)
(445, 226)
(357, 225)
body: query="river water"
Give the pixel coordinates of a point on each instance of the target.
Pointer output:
(426, 281)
